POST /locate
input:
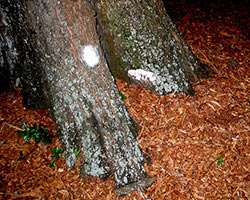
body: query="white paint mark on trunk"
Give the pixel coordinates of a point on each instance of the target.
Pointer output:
(90, 55)
(142, 75)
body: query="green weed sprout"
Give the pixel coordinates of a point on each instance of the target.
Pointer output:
(37, 133)
(123, 96)
(77, 152)
(219, 160)
(56, 152)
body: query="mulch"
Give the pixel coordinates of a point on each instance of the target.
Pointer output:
(185, 136)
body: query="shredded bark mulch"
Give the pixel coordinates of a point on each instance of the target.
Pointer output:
(199, 145)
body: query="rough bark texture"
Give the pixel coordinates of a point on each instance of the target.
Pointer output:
(17, 56)
(140, 35)
(82, 96)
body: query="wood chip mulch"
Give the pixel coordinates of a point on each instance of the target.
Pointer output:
(185, 136)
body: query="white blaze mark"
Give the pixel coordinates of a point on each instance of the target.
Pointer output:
(90, 55)
(142, 75)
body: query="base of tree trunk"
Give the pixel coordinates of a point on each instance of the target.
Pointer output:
(147, 182)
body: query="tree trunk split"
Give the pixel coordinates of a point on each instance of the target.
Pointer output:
(58, 50)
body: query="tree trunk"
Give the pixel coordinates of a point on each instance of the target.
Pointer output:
(143, 46)
(17, 56)
(77, 86)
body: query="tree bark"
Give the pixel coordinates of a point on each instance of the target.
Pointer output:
(75, 83)
(17, 56)
(140, 35)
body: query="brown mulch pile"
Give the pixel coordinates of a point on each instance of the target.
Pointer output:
(185, 136)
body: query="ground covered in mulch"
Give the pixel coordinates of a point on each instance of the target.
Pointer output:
(199, 145)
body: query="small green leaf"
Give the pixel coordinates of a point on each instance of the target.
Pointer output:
(77, 152)
(33, 131)
(28, 130)
(46, 140)
(123, 96)
(220, 160)
(51, 164)
(249, 103)
(37, 133)
(53, 150)
(26, 137)
(56, 152)
(21, 133)
(56, 156)
(24, 125)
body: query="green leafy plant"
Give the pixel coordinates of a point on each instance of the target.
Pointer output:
(77, 152)
(52, 164)
(37, 133)
(219, 160)
(56, 152)
(123, 96)
(249, 103)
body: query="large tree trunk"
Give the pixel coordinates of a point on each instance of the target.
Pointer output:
(140, 35)
(77, 87)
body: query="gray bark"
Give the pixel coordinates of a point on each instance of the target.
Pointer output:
(17, 56)
(79, 91)
(140, 35)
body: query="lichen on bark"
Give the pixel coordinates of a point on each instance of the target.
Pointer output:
(140, 35)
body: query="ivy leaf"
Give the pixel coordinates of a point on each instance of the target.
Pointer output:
(33, 131)
(220, 160)
(37, 133)
(36, 136)
(59, 150)
(53, 150)
(56, 156)
(27, 137)
(28, 130)
(51, 164)
(47, 131)
(46, 140)
(123, 96)
(24, 125)
(21, 133)
(56, 152)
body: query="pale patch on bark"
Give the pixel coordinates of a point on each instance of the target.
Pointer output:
(90, 55)
(142, 75)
